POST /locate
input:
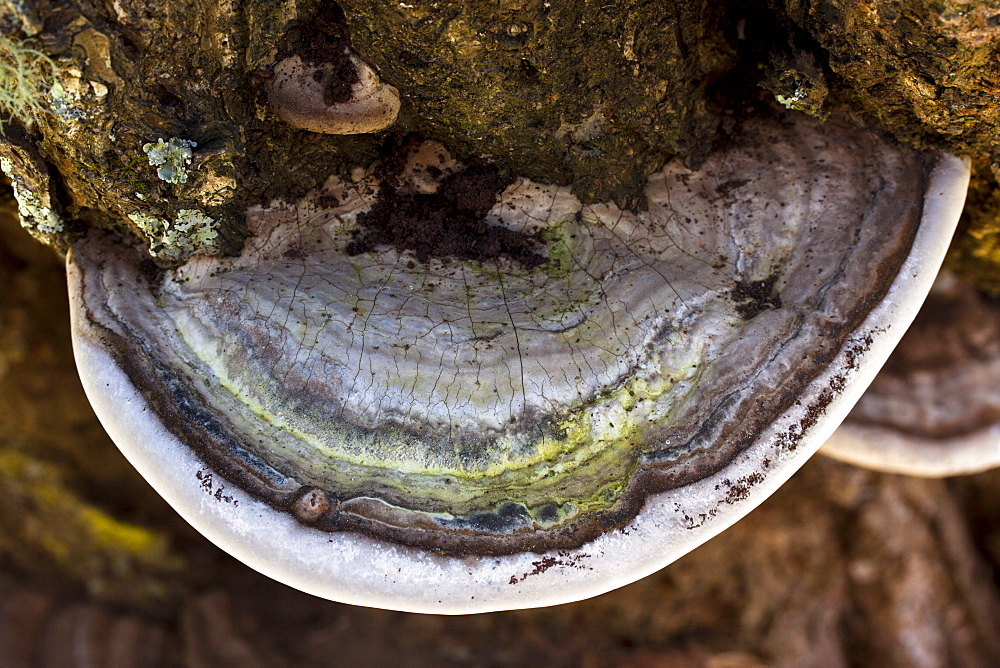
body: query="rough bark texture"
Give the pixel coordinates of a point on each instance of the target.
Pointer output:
(574, 93)
(589, 94)
(841, 567)
(929, 73)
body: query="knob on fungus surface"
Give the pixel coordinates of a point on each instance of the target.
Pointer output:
(483, 394)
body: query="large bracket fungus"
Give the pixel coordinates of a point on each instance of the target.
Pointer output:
(531, 401)
(934, 408)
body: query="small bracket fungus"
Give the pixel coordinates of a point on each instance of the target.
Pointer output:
(343, 98)
(170, 158)
(934, 409)
(487, 395)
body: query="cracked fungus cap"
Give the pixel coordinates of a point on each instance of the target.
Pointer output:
(934, 408)
(555, 401)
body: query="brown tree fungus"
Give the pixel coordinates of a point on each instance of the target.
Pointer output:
(934, 409)
(565, 403)
(301, 95)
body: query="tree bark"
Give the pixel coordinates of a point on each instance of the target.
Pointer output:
(585, 93)
(841, 567)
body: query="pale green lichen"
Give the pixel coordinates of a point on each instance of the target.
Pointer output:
(39, 220)
(171, 158)
(64, 104)
(190, 232)
(26, 76)
(798, 83)
(791, 102)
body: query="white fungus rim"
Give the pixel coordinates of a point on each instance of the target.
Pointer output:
(353, 568)
(882, 449)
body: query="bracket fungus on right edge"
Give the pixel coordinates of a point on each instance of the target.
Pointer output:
(934, 408)
(480, 394)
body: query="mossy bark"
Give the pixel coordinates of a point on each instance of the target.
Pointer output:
(589, 94)
(927, 71)
(596, 96)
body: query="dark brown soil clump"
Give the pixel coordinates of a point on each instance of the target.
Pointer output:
(323, 41)
(450, 224)
(752, 297)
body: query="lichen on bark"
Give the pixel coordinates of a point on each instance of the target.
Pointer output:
(581, 93)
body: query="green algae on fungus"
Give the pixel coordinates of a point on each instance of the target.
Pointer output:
(401, 392)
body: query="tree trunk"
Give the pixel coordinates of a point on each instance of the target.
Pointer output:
(842, 567)
(585, 93)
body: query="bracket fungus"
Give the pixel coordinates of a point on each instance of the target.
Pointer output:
(934, 409)
(487, 395)
(340, 98)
